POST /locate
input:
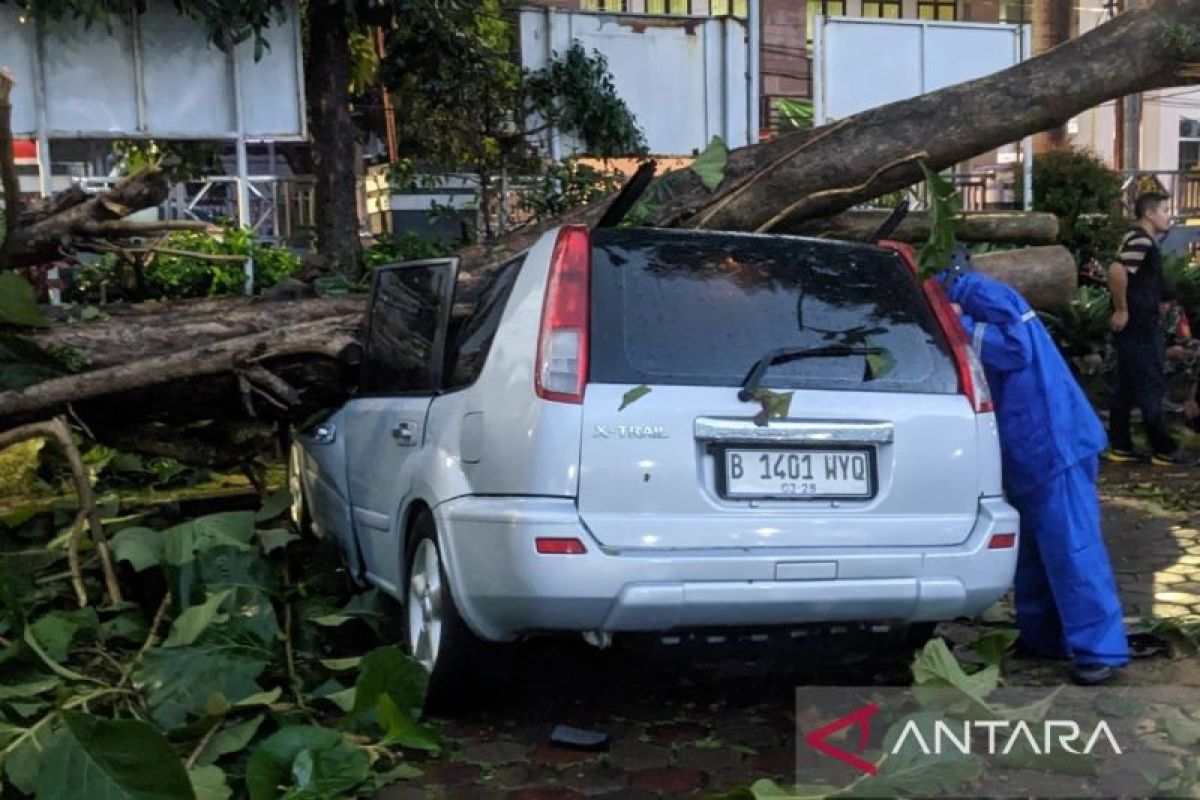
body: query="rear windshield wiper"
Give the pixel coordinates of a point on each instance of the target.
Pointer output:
(786, 354)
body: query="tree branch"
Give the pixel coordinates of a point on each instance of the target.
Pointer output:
(8, 169)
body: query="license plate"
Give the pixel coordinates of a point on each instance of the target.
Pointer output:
(798, 474)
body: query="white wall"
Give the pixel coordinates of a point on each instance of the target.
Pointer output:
(684, 79)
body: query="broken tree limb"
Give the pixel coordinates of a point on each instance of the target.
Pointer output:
(993, 227)
(88, 517)
(1046, 276)
(327, 337)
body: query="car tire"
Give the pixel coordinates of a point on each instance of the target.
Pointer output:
(462, 667)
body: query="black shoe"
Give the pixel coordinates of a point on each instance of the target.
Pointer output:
(1175, 459)
(1119, 455)
(1092, 674)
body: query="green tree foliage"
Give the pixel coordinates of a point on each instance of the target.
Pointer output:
(1086, 196)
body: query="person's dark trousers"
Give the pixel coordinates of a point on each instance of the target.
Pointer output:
(1140, 384)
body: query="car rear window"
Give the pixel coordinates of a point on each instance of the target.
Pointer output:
(698, 309)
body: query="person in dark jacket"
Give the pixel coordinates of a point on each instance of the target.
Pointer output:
(1136, 284)
(1050, 440)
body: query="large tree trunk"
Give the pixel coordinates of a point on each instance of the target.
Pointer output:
(9, 187)
(333, 135)
(1046, 276)
(994, 227)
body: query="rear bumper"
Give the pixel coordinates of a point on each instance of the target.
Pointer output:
(504, 588)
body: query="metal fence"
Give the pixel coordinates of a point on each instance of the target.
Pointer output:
(1182, 187)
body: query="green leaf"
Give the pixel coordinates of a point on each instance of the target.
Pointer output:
(993, 645)
(912, 772)
(879, 365)
(22, 766)
(936, 666)
(98, 759)
(710, 166)
(774, 404)
(274, 506)
(945, 218)
(276, 539)
(57, 629)
(230, 529)
(261, 698)
(18, 304)
(229, 741)
(33, 644)
(388, 671)
(341, 664)
(178, 681)
(401, 772)
(1183, 730)
(188, 626)
(271, 766)
(633, 395)
(329, 772)
(399, 728)
(129, 625)
(141, 547)
(1118, 704)
(28, 689)
(208, 783)
(1057, 760)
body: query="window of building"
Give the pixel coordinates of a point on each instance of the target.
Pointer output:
(943, 10)
(725, 8)
(1189, 144)
(681, 7)
(828, 8)
(1015, 12)
(882, 9)
(604, 5)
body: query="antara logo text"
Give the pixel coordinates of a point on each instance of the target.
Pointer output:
(982, 737)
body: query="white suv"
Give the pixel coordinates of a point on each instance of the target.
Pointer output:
(584, 449)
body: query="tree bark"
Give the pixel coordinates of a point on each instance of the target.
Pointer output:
(1051, 27)
(333, 135)
(995, 227)
(9, 186)
(1046, 276)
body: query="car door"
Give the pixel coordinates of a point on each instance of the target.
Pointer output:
(403, 362)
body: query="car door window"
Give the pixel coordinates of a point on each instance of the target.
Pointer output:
(406, 329)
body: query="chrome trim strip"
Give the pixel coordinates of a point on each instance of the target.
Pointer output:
(729, 429)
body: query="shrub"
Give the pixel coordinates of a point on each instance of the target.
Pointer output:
(1086, 196)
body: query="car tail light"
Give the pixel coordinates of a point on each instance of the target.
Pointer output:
(971, 379)
(560, 547)
(562, 357)
(1002, 541)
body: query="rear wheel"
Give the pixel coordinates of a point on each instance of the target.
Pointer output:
(461, 666)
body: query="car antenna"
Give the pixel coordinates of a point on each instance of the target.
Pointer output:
(630, 193)
(891, 223)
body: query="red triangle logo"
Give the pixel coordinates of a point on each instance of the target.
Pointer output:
(861, 718)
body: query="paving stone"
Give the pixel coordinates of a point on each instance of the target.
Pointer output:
(676, 732)
(671, 781)
(1169, 611)
(707, 759)
(402, 792)
(760, 735)
(561, 757)
(512, 776)
(501, 751)
(1179, 569)
(1167, 578)
(1188, 586)
(1180, 598)
(775, 762)
(635, 755)
(448, 773)
(595, 779)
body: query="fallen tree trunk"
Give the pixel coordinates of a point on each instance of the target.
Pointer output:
(1046, 276)
(994, 227)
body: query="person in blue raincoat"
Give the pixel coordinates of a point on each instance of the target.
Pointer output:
(1050, 440)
